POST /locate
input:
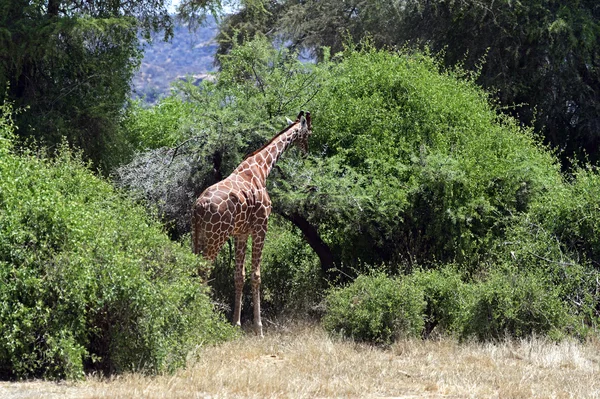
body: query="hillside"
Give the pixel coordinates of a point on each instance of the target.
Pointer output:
(187, 53)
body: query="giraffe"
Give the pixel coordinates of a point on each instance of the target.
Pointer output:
(239, 206)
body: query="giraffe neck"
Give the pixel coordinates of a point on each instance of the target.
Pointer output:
(265, 159)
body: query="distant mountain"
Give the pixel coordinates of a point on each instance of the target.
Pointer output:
(188, 53)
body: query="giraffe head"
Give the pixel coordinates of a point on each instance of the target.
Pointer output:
(304, 132)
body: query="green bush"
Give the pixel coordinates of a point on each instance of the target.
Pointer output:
(508, 303)
(558, 238)
(447, 298)
(516, 304)
(569, 218)
(88, 280)
(375, 309)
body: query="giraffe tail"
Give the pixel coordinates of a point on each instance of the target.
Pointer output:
(196, 219)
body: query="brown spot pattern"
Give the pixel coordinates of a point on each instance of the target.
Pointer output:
(240, 206)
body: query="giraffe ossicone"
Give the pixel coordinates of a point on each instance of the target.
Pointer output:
(239, 206)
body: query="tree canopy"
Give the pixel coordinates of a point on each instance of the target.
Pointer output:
(409, 163)
(539, 57)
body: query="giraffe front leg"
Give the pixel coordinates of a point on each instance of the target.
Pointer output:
(239, 277)
(258, 240)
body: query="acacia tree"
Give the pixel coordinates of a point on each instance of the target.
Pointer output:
(408, 164)
(541, 58)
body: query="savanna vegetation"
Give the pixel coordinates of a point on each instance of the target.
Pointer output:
(89, 280)
(427, 205)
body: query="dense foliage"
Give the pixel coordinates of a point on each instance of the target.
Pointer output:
(411, 168)
(415, 165)
(539, 57)
(379, 309)
(70, 64)
(87, 279)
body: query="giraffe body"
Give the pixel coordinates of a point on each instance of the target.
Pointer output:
(240, 206)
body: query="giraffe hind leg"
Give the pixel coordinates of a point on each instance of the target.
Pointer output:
(239, 276)
(258, 241)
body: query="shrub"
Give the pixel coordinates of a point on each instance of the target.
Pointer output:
(576, 219)
(375, 308)
(88, 280)
(569, 217)
(507, 302)
(516, 304)
(447, 298)
(558, 238)
(378, 309)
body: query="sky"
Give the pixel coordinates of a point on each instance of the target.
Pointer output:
(173, 6)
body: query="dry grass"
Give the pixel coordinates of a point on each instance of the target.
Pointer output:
(303, 361)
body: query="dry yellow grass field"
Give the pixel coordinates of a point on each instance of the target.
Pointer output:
(304, 362)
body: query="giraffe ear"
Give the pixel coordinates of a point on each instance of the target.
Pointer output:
(303, 122)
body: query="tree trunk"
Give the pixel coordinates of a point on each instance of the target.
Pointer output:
(314, 240)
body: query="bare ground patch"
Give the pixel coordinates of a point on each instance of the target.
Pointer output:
(303, 362)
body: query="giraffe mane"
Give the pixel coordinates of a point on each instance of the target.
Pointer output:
(271, 141)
